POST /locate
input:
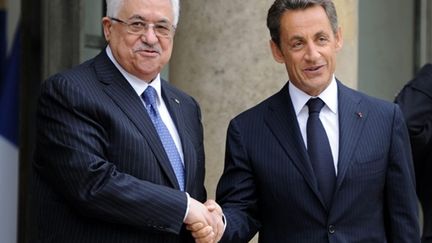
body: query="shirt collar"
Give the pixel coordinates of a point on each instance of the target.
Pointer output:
(329, 96)
(137, 84)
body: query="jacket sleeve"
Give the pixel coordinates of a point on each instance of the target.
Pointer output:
(236, 191)
(401, 199)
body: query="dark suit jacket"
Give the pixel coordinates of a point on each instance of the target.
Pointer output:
(268, 183)
(100, 171)
(415, 101)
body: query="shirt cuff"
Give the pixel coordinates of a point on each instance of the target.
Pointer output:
(224, 222)
(187, 208)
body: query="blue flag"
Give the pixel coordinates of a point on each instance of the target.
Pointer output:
(2, 46)
(9, 101)
(9, 123)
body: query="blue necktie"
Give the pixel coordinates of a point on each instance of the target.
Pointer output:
(149, 97)
(319, 151)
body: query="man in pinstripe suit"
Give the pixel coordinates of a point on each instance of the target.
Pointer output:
(101, 172)
(270, 183)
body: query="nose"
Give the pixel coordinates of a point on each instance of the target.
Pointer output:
(312, 52)
(149, 36)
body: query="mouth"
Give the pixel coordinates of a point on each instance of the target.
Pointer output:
(151, 51)
(313, 68)
(148, 52)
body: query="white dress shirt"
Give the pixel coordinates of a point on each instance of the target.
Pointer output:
(329, 114)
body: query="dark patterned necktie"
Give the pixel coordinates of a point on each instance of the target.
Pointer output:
(319, 151)
(149, 97)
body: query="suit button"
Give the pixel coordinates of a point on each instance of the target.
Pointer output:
(331, 229)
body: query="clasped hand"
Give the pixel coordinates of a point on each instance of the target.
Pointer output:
(205, 221)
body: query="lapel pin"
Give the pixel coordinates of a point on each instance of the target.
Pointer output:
(360, 115)
(177, 101)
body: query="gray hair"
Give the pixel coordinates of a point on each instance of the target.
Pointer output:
(280, 6)
(114, 6)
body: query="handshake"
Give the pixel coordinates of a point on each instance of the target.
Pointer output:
(205, 221)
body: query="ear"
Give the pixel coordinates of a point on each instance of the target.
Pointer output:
(107, 24)
(339, 39)
(277, 53)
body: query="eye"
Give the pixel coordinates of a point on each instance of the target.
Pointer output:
(163, 29)
(137, 25)
(297, 45)
(322, 40)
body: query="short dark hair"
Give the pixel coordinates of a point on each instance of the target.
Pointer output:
(280, 6)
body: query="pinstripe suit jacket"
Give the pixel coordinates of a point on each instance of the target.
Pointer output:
(268, 184)
(100, 171)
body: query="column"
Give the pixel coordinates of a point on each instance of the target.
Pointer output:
(347, 62)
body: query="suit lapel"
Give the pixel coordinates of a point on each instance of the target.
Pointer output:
(352, 117)
(282, 121)
(120, 91)
(174, 105)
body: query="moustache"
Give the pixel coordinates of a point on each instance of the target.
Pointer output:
(146, 47)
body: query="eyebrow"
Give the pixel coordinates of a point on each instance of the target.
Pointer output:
(322, 33)
(296, 38)
(139, 17)
(299, 37)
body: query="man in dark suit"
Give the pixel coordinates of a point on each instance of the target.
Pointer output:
(317, 162)
(119, 151)
(415, 101)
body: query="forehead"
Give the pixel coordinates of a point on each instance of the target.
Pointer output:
(155, 10)
(309, 21)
